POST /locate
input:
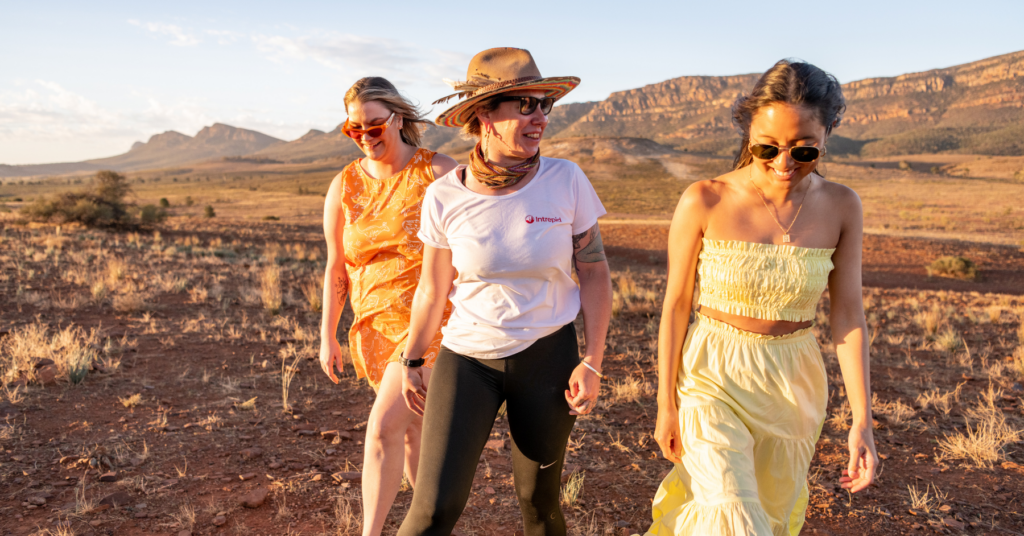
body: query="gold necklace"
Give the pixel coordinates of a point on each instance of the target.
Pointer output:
(786, 238)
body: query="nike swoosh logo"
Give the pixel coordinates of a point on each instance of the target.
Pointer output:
(549, 465)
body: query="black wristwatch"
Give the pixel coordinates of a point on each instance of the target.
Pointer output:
(411, 363)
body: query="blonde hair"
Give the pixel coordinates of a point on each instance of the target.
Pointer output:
(375, 88)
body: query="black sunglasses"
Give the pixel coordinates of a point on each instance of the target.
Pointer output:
(528, 105)
(804, 154)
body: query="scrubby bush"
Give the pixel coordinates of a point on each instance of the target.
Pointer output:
(956, 267)
(905, 166)
(209, 212)
(103, 206)
(188, 201)
(164, 203)
(150, 214)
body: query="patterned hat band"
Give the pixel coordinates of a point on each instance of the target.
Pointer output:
(498, 70)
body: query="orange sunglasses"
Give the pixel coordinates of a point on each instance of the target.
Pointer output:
(373, 132)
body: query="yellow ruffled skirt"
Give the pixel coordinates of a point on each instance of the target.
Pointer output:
(751, 408)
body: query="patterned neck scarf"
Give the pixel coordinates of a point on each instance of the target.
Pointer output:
(496, 177)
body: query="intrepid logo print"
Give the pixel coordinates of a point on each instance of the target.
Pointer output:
(542, 219)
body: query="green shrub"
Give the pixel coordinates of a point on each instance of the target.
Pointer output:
(209, 212)
(150, 214)
(188, 201)
(956, 267)
(905, 166)
(103, 206)
(164, 203)
(271, 218)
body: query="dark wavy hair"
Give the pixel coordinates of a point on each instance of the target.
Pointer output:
(790, 82)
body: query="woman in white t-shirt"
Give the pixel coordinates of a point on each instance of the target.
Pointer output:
(501, 238)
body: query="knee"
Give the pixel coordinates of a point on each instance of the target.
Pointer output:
(537, 499)
(431, 518)
(385, 429)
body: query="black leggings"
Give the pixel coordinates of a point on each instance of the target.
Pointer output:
(462, 401)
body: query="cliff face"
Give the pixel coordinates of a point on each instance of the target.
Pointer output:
(975, 107)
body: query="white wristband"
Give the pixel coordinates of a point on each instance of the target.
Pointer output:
(595, 371)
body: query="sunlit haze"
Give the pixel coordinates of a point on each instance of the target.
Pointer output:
(86, 80)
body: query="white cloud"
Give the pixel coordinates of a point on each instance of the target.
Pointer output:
(180, 37)
(362, 56)
(225, 37)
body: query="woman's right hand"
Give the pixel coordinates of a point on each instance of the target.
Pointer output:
(330, 358)
(414, 389)
(666, 433)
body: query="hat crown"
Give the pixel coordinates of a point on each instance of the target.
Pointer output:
(502, 64)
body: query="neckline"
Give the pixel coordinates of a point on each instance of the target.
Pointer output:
(359, 165)
(755, 244)
(458, 183)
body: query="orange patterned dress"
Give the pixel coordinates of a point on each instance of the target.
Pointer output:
(383, 258)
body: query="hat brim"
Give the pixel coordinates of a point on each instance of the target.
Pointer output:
(462, 113)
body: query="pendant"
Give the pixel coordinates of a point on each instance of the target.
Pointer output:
(786, 239)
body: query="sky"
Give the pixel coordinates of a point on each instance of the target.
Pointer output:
(82, 80)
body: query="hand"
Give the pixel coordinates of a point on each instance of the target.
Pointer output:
(863, 460)
(584, 386)
(414, 389)
(666, 433)
(330, 358)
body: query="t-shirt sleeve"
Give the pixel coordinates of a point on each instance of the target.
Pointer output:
(588, 205)
(431, 231)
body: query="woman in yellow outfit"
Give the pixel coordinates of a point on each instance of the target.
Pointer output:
(742, 389)
(371, 217)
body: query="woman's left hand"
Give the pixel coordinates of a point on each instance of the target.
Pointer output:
(584, 386)
(863, 460)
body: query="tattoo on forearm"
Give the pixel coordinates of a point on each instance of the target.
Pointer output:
(341, 290)
(593, 251)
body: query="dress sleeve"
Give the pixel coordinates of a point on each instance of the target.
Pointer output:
(431, 229)
(588, 206)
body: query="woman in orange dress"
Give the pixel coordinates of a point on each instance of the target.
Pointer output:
(371, 217)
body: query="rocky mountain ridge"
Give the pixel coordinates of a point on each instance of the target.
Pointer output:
(975, 108)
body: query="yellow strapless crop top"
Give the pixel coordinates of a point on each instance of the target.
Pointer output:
(764, 281)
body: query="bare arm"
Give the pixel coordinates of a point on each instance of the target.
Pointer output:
(336, 282)
(684, 243)
(596, 302)
(849, 332)
(427, 313)
(442, 164)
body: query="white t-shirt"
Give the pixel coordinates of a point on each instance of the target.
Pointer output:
(513, 254)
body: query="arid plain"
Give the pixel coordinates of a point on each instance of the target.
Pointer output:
(184, 373)
(161, 378)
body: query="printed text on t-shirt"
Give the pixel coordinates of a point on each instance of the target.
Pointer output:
(542, 219)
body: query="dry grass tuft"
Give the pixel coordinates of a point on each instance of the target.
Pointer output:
(629, 297)
(131, 401)
(930, 320)
(270, 288)
(72, 350)
(346, 521)
(313, 291)
(131, 302)
(628, 390)
(573, 489)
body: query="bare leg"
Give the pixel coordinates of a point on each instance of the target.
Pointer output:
(387, 449)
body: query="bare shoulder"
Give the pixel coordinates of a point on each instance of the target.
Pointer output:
(442, 164)
(840, 195)
(706, 194)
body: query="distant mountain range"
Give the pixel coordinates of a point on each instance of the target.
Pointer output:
(975, 108)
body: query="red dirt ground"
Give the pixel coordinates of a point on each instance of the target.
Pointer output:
(169, 454)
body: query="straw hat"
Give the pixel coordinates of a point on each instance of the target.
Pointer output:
(495, 71)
